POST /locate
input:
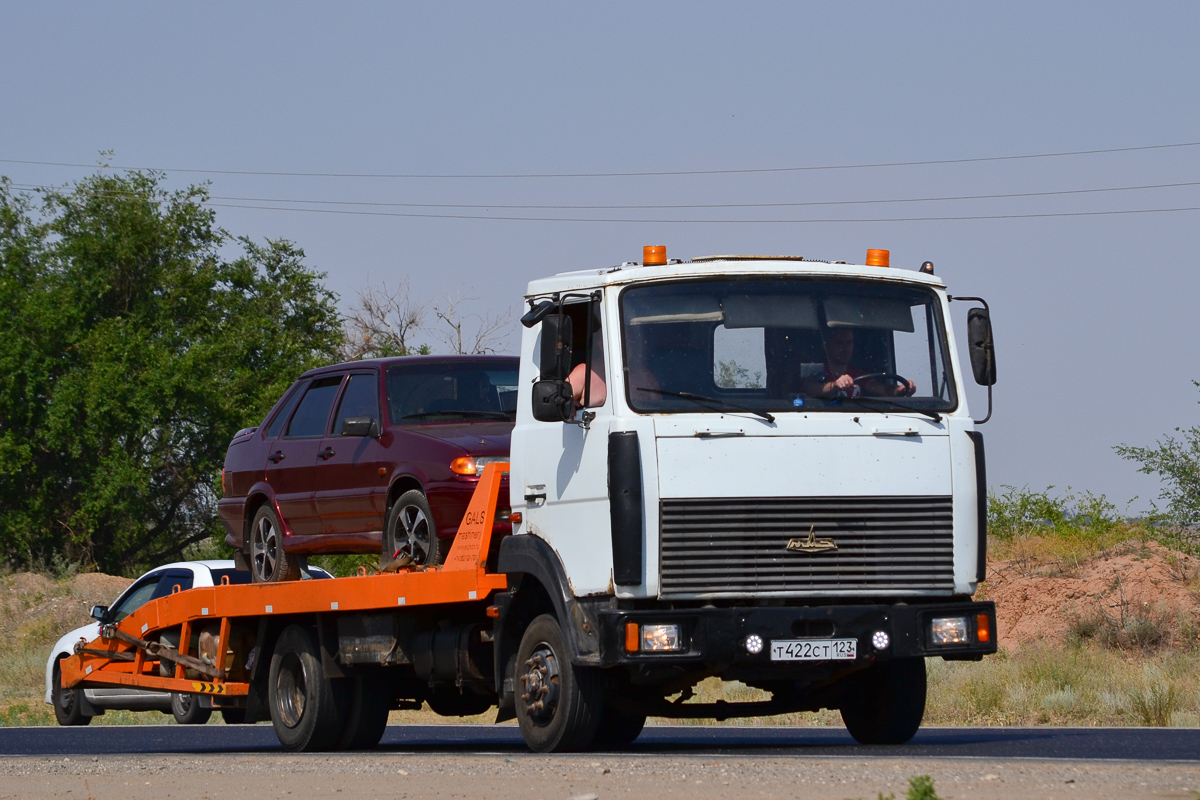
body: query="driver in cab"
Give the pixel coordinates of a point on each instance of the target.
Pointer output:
(840, 379)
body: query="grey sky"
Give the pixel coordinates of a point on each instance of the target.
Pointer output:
(1094, 315)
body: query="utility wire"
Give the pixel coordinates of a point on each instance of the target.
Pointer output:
(36, 187)
(704, 221)
(664, 173)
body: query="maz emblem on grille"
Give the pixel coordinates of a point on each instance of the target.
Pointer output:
(812, 544)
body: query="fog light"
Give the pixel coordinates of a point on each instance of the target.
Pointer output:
(950, 630)
(881, 640)
(754, 644)
(657, 638)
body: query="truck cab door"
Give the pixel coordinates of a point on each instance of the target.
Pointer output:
(560, 469)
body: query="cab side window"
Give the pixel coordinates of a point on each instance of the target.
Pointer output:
(361, 399)
(313, 412)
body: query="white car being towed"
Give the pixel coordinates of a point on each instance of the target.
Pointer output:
(78, 706)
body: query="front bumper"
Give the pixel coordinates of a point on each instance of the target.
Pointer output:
(716, 636)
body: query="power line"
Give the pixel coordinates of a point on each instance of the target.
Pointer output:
(663, 173)
(705, 221)
(944, 198)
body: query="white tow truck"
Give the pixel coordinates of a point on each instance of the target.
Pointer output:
(756, 468)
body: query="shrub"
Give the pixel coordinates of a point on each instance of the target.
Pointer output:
(1021, 511)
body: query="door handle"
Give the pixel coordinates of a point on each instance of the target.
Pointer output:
(326, 453)
(276, 457)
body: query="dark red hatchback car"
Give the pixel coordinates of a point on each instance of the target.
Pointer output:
(368, 457)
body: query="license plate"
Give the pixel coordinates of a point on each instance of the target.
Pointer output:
(814, 650)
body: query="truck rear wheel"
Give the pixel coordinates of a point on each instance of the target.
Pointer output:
(307, 709)
(558, 704)
(886, 702)
(233, 716)
(366, 713)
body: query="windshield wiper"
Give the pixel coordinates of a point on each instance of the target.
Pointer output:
(700, 398)
(888, 404)
(449, 412)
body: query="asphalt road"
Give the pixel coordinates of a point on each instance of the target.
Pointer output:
(1136, 744)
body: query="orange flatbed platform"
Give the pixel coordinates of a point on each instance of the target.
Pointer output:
(462, 579)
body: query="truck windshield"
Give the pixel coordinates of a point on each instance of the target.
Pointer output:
(788, 344)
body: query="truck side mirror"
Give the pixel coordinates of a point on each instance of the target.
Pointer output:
(99, 613)
(553, 401)
(979, 342)
(554, 358)
(360, 426)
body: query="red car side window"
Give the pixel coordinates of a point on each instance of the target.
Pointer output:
(277, 423)
(313, 412)
(361, 399)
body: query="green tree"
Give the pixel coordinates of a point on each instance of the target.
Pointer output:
(137, 338)
(1176, 461)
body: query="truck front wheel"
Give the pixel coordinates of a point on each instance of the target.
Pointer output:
(885, 703)
(307, 709)
(559, 705)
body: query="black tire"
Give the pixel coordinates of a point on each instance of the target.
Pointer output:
(885, 703)
(67, 702)
(618, 730)
(448, 701)
(233, 716)
(441, 548)
(187, 710)
(410, 530)
(367, 710)
(308, 710)
(269, 562)
(559, 705)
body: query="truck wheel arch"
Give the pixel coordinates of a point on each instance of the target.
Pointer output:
(529, 560)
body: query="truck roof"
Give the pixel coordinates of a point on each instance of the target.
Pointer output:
(713, 266)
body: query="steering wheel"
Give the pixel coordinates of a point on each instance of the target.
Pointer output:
(890, 377)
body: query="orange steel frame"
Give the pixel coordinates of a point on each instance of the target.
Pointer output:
(462, 579)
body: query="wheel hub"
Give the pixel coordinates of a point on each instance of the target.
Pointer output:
(541, 683)
(263, 548)
(412, 538)
(291, 690)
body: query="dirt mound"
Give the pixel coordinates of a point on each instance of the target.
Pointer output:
(1041, 600)
(96, 587)
(35, 609)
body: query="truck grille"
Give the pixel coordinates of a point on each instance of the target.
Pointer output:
(739, 546)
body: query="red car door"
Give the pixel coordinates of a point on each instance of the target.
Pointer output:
(350, 491)
(292, 458)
